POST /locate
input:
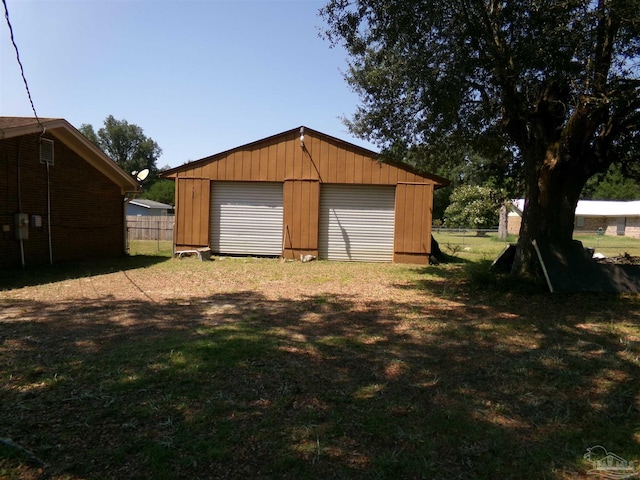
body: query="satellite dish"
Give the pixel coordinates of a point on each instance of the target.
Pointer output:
(141, 175)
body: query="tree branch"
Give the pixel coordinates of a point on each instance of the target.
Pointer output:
(606, 32)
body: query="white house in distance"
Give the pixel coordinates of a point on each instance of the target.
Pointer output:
(142, 207)
(613, 217)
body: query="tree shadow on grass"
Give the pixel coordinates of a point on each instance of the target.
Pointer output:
(472, 276)
(38, 275)
(237, 385)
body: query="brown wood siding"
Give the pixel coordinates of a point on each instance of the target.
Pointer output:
(282, 158)
(87, 209)
(322, 160)
(414, 206)
(193, 196)
(301, 201)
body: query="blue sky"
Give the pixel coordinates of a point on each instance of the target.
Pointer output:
(199, 77)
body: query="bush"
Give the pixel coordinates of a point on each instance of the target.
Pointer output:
(472, 206)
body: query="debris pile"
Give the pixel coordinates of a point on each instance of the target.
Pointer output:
(624, 259)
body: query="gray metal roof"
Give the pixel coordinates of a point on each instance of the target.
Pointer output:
(144, 203)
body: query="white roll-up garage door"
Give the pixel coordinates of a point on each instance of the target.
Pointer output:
(356, 222)
(246, 218)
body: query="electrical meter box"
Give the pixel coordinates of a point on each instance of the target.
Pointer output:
(36, 221)
(22, 226)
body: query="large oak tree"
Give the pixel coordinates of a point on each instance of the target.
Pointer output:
(555, 82)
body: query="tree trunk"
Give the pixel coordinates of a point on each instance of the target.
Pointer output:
(503, 223)
(552, 193)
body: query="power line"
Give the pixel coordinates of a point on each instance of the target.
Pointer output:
(24, 79)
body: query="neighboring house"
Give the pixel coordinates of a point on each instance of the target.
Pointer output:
(302, 192)
(143, 207)
(613, 217)
(61, 197)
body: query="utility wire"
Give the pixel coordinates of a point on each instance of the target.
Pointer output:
(24, 79)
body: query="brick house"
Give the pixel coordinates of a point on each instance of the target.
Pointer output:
(613, 217)
(62, 197)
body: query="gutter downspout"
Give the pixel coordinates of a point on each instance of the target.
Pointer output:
(49, 215)
(127, 199)
(19, 180)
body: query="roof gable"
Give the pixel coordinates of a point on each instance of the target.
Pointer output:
(11, 127)
(292, 136)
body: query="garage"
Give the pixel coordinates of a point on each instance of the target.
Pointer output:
(246, 218)
(356, 223)
(302, 192)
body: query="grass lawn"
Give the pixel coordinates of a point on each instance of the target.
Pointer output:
(488, 247)
(610, 245)
(163, 368)
(162, 248)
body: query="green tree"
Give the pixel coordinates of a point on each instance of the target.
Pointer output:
(464, 165)
(161, 191)
(473, 206)
(555, 84)
(127, 145)
(613, 185)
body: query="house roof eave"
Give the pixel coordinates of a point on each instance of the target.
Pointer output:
(11, 127)
(144, 203)
(594, 208)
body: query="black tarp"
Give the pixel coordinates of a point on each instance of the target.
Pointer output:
(570, 268)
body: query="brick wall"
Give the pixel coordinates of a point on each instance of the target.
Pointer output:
(513, 224)
(633, 227)
(87, 213)
(592, 224)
